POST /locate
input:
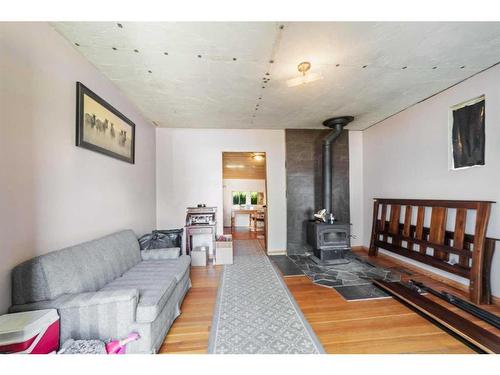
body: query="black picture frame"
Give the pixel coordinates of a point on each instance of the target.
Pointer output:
(81, 92)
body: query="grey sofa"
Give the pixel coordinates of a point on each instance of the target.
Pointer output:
(106, 288)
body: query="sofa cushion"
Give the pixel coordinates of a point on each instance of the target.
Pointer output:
(89, 266)
(157, 254)
(173, 267)
(154, 293)
(155, 280)
(114, 254)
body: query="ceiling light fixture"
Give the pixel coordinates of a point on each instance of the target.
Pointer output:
(258, 157)
(303, 68)
(234, 166)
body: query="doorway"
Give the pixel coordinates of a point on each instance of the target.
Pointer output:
(245, 195)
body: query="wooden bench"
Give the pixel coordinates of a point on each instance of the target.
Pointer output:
(398, 226)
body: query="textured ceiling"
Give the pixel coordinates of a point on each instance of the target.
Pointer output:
(214, 75)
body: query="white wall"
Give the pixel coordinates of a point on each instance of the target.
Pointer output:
(189, 171)
(239, 184)
(406, 156)
(52, 193)
(356, 187)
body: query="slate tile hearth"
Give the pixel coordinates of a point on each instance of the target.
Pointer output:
(286, 266)
(351, 277)
(361, 292)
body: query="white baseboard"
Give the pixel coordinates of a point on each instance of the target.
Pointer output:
(276, 252)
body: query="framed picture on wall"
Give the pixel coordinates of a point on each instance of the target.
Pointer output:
(102, 128)
(467, 134)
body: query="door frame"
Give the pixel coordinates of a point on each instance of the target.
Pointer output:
(266, 220)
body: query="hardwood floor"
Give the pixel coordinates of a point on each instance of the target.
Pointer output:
(377, 326)
(241, 233)
(246, 234)
(190, 331)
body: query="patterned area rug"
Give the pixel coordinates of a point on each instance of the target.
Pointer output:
(351, 278)
(255, 312)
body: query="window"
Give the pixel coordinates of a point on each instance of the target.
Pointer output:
(243, 197)
(236, 197)
(239, 197)
(254, 197)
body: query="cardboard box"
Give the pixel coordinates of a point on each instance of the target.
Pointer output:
(224, 250)
(199, 256)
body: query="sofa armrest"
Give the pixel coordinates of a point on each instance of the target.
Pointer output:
(92, 315)
(104, 297)
(98, 315)
(160, 254)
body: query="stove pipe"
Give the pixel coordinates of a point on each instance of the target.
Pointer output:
(337, 124)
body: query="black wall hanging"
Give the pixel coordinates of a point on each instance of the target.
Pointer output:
(468, 134)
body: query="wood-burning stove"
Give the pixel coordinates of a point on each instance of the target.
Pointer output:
(329, 239)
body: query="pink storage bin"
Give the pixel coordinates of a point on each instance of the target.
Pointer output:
(30, 332)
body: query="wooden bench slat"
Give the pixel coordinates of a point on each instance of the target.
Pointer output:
(419, 230)
(459, 234)
(394, 222)
(373, 250)
(478, 267)
(383, 217)
(438, 229)
(407, 225)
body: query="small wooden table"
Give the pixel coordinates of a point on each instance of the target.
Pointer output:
(242, 212)
(252, 213)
